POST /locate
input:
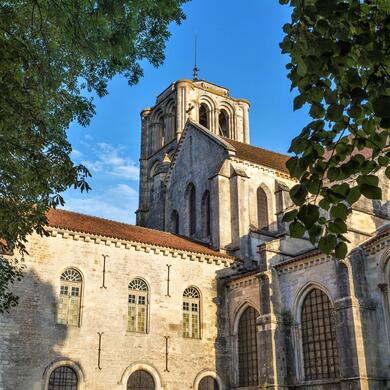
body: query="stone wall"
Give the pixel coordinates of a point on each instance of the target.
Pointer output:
(32, 342)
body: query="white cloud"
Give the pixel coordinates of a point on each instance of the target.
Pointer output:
(75, 154)
(111, 162)
(118, 203)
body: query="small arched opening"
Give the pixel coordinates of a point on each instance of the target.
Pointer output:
(223, 123)
(204, 116)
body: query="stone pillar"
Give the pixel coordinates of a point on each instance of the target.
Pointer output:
(349, 332)
(181, 115)
(270, 340)
(142, 212)
(220, 204)
(246, 123)
(240, 218)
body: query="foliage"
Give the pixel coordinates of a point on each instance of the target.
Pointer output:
(340, 64)
(54, 53)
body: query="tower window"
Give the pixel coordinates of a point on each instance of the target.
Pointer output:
(319, 337)
(191, 209)
(69, 301)
(223, 120)
(203, 116)
(137, 306)
(262, 209)
(191, 313)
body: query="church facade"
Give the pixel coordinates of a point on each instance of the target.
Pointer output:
(208, 291)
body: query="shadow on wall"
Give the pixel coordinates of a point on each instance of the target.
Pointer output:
(29, 335)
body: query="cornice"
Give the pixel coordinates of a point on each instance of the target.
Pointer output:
(291, 266)
(140, 247)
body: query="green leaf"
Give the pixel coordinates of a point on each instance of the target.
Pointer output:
(327, 243)
(341, 250)
(387, 172)
(297, 230)
(299, 101)
(335, 112)
(370, 192)
(302, 68)
(309, 214)
(324, 204)
(381, 106)
(334, 173)
(290, 216)
(298, 194)
(339, 211)
(368, 179)
(353, 195)
(338, 226)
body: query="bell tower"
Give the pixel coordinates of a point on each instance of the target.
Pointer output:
(162, 125)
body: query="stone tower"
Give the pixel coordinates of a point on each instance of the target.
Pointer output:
(162, 126)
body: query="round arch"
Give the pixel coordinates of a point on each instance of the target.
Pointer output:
(210, 105)
(205, 373)
(145, 367)
(59, 363)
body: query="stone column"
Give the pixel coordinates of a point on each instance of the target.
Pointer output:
(141, 213)
(270, 340)
(220, 204)
(240, 214)
(349, 330)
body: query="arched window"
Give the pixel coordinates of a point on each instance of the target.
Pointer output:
(63, 378)
(140, 380)
(138, 306)
(320, 353)
(262, 209)
(223, 120)
(191, 209)
(247, 348)
(175, 222)
(191, 313)
(206, 214)
(203, 116)
(69, 302)
(170, 129)
(208, 383)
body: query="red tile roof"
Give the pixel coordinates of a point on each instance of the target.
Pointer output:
(260, 156)
(81, 223)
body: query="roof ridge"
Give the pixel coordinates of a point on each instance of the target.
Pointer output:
(98, 226)
(118, 222)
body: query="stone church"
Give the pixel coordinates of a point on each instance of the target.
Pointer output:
(208, 291)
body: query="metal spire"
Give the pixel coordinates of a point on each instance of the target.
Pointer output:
(196, 69)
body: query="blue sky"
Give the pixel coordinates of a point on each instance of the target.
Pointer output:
(238, 48)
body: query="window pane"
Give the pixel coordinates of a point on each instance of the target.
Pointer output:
(74, 311)
(247, 348)
(131, 319)
(186, 325)
(318, 337)
(63, 378)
